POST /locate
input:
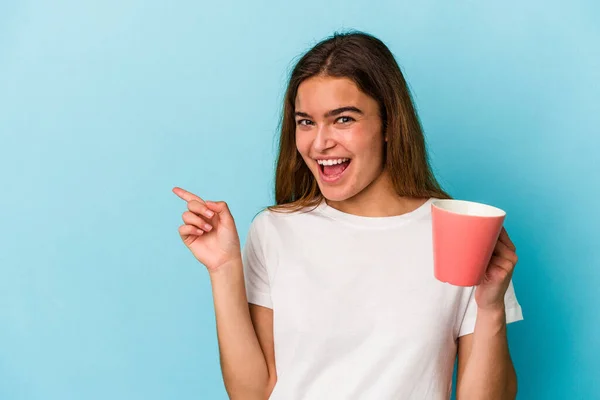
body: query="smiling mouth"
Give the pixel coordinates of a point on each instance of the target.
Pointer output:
(331, 170)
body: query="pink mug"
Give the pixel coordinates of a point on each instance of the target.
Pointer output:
(464, 237)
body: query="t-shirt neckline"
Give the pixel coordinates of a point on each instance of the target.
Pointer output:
(389, 221)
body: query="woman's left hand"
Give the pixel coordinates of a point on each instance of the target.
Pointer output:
(489, 294)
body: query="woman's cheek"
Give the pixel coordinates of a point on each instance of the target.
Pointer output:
(353, 138)
(303, 147)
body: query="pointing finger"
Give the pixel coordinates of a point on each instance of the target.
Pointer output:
(185, 195)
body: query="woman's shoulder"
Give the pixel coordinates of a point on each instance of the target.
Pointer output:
(282, 214)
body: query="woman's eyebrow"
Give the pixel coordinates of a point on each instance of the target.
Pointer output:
(332, 113)
(340, 110)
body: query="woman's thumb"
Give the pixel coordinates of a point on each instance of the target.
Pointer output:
(219, 207)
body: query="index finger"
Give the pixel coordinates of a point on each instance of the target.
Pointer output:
(506, 240)
(185, 195)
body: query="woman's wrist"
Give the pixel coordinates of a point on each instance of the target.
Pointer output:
(491, 321)
(226, 270)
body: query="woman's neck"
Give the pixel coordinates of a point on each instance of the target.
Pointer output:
(379, 199)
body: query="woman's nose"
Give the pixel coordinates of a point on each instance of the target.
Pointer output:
(323, 140)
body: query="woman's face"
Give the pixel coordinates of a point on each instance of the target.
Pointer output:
(338, 134)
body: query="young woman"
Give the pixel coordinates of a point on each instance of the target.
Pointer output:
(333, 296)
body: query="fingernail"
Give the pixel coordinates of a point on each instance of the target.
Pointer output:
(209, 213)
(200, 231)
(207, 227)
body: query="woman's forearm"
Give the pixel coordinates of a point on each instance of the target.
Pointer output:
(243, 364)
(489, 372)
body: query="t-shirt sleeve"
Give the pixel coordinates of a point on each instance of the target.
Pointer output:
(513, 311)
(256, 276)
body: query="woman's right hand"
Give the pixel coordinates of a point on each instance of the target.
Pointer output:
(209, 231)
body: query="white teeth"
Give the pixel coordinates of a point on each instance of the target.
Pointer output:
(332, 162)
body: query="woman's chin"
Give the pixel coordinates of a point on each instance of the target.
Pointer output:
(335, 194)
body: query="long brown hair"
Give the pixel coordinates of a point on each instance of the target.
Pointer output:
(368, 62)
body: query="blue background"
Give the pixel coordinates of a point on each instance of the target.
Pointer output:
(106, 105)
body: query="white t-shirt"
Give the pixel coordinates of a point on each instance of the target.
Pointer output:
(357, 312)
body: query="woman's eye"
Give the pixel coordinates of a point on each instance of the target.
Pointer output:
(304, 122)
(345, 119)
